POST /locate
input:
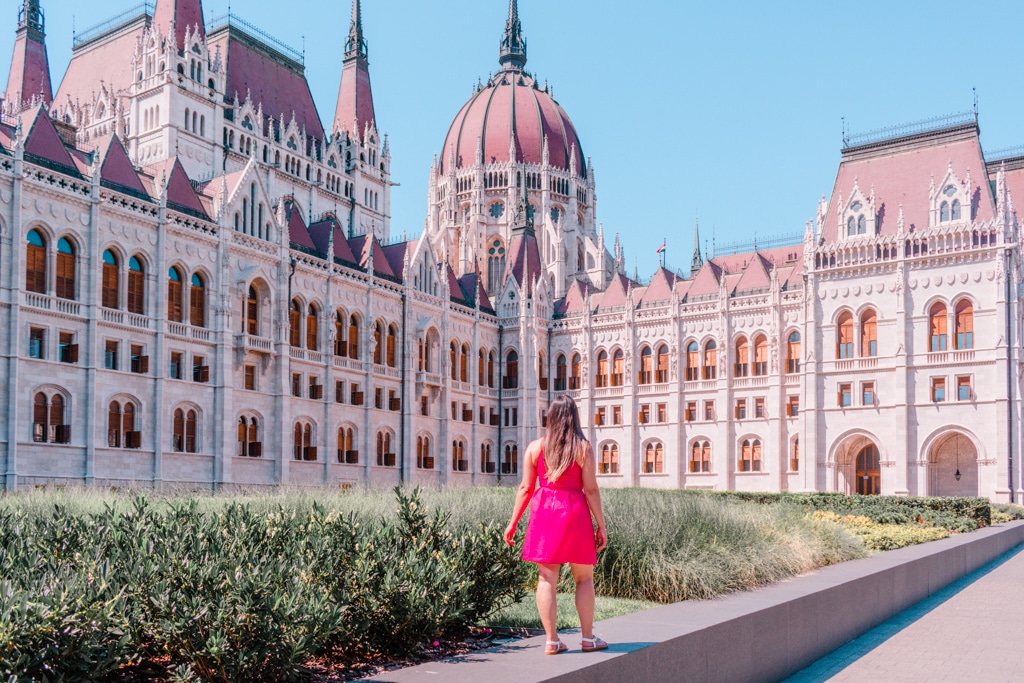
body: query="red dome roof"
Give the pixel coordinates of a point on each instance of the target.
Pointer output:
(509, 105)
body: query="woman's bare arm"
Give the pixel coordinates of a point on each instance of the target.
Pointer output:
(525, 492)
(593, 494)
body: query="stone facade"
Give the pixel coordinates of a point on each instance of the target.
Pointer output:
(201, 290)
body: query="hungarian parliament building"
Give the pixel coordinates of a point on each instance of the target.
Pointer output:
(202, 290)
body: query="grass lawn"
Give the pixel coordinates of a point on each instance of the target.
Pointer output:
(524, 614)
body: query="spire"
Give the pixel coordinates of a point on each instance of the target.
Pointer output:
(29, 76)
(183, 15)
(513, 46)
(355, 46)
(697, 260)
(523, 221)
(355, 96)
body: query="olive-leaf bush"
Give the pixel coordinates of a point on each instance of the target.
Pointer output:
(236, 592)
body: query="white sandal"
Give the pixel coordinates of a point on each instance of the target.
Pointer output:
(555, 647)
(593, 644)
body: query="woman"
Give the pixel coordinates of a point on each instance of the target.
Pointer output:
(560, 529)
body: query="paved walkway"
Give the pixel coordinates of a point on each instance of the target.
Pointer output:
(970, 631)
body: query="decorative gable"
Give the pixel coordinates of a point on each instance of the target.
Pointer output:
(857, 215)
(949, 200)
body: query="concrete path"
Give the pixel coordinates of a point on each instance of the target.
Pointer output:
(969, 631)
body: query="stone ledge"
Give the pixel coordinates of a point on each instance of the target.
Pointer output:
(762, 635)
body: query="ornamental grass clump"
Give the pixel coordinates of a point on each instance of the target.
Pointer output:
(667, 546)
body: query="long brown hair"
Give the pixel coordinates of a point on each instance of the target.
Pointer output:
(564, 440)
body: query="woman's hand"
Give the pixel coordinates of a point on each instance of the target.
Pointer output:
(601, 537)
(510, 534)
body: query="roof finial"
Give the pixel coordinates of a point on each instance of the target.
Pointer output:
(697, 261)
(513, 46)
(355, 46)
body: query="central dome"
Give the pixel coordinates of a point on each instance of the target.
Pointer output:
(512, 106)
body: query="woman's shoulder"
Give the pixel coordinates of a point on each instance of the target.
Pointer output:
(586, 451)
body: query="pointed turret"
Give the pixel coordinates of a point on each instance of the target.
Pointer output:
(29, 77)
(183, 15)
(513, 45)
(355, 96)
(523, 220)
(697, 261)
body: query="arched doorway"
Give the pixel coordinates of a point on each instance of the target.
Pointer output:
(857, 460)
(953, 466)
(869, 471)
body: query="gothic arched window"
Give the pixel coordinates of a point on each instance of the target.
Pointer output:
(869, 333)
(65, 269)
(174, 295)
(197, 301)
(35, 263)
(964, 325)
(136, 286)
(937, 326)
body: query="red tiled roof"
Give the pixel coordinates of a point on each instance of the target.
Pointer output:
(6, 138)
(82, 159)
(30, 70)
(395, 254)
(355, 99)
(575, 300)
(660, 287)
(280, 89)
(524, 264)
(320, 234)
(43, 141)
(707, 280)
(473, 286)
(616, 292)
(297, 231)
(1014, 183)
(185, 14)
(755, 276)
(796, 275)
(179, 188)
(116, 167)
(361, 248)
(108, 61)
(454, 286)
(901, 173)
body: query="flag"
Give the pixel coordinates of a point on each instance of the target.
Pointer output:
(662, 247)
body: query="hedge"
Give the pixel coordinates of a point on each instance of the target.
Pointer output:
(954, 514)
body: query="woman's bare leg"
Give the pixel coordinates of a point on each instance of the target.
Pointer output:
(547, 598)
(584, 576)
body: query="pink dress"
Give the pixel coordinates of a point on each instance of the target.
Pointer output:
(560, 529)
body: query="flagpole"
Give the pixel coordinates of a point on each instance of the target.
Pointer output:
(663, 250)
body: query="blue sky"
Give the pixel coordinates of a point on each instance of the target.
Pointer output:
(732, 110)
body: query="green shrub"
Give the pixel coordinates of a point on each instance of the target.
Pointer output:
(62, 614)
(1006, 512)
(414, 580)
(954, 514)
(893, 536)
(878, 536)
(223, 590)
